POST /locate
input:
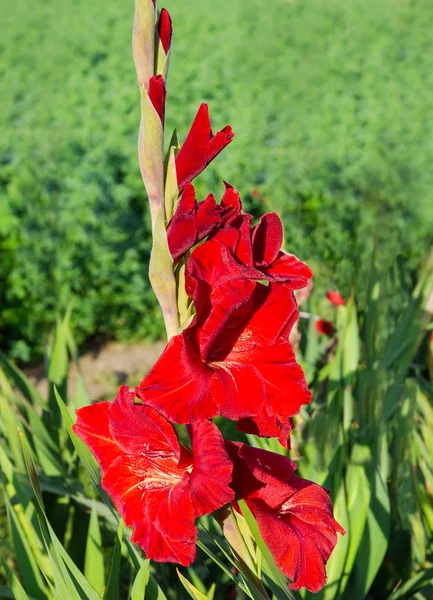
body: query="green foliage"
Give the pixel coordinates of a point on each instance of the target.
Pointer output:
(331, 107)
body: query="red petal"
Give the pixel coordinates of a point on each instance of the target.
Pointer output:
(219, 142)
(209, 264)
(244, 249)
(182, 229)
(157, 94)
(212, 470)
(267, 239)
(231, 201)
(270, 468)
(324, 327)
(142, 475)
(288, 269)
(309, 531)
(200, 147)
(165, 29)
(265, 426)
(273, 313)
(139, 429)
(238, 389)
(178, 386)
(168, 534)
(157, 506)
(208, 217)
(336, 298)
(228, 309)
(286, 388)
(92, 428)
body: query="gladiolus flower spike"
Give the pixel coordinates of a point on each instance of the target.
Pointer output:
(235, 284)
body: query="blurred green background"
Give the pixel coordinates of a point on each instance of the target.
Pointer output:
(331, 104)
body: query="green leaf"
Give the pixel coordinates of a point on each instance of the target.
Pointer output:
(417, 583)
(10, 425)
(26, 561)
(351, 349)
(374, 541)
(337, 561)
(21, 382)
(139, 587)
(112, 591)
(69, 581)
(58, 363)
(192, 590)
(358, 494)
(16, 587)
(94, 558)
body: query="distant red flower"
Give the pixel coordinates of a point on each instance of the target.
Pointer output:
(158, 486)
(234, 359)
(336, 298)
(201, 146)
(324, 327)
(252, 253)
(193, 221)
(165, 29)
(157, 94)
(294, 515)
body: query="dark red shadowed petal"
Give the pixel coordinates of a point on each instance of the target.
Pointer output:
(193, 221)
(165, 29)
(200, 147)
(306, 524)
(231, 199)
(288, 269)
(208, 217)
(157, 94)
(212, 472)
(182, 229)
(267, 239)
(336, 298)
(324, 327)
(268, 426)
(294, 515)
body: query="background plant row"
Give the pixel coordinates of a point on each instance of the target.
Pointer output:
(331, 106)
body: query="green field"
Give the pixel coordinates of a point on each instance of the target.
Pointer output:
(331, 104)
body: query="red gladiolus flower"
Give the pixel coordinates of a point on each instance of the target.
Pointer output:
(294, 515)
(158, 486)
(234, 359)
(336, 298)
(201, 146)
(193, 221)
(324, 327)
(157, 94)
(165, 29)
